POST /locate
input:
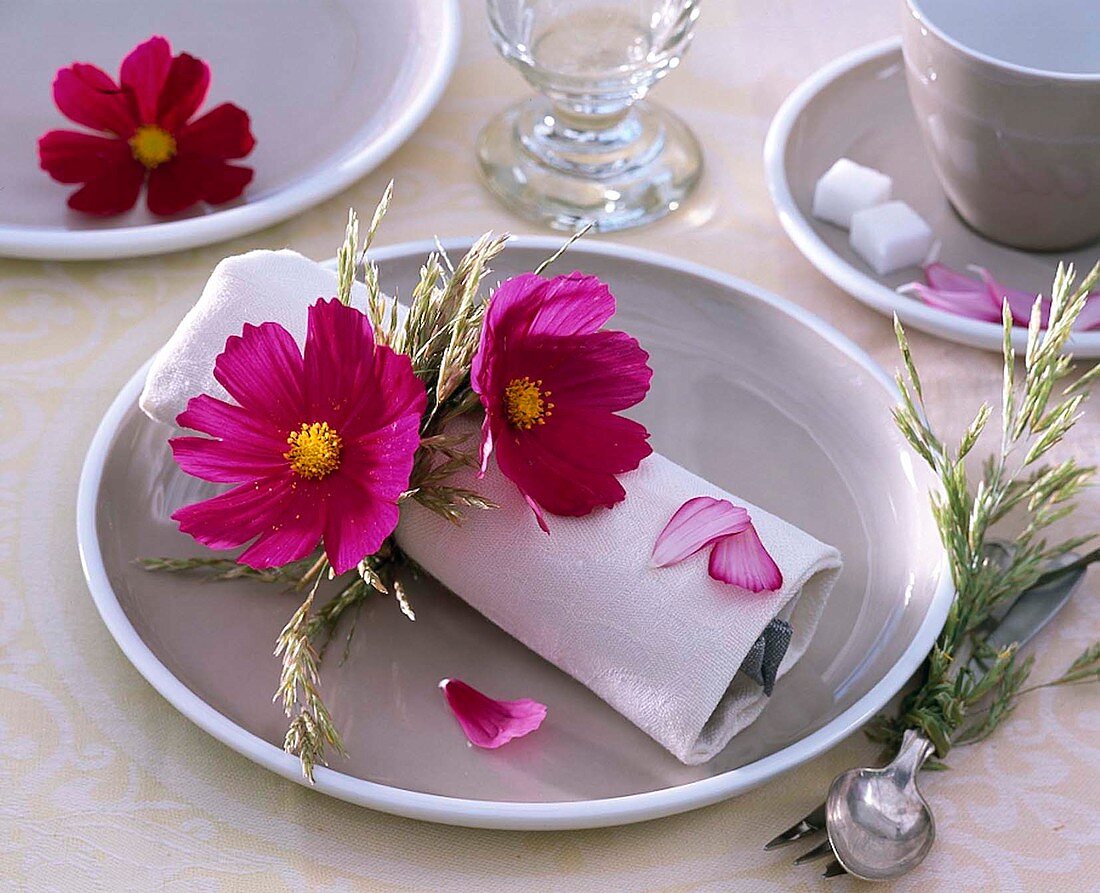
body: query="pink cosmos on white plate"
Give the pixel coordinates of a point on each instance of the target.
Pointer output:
(488, 722)
(737, 555)
(955, 292)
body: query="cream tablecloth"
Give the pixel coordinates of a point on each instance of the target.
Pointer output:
(105, 787)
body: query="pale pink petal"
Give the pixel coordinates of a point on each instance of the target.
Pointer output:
(743, 560)
(1090, 316)
(943, 278)
(695, 525)
(487, 722)
(1019, 302)
(971, 303)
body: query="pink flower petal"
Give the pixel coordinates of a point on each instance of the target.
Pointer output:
(184, 91)
(186, 180)
(87, 95)
(1090, 316)
(971, 303)
(227, 461)
(695, 525)
(943, 278)
(112, 192)
(1019, 302)
(742, 560)
(262, 370)
(487, 722)
(226, 420)
(223, 132)
(73, 157)
(234, 517)
(144, 72)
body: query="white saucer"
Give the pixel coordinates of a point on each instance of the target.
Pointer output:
(858, 107)
(331, 88)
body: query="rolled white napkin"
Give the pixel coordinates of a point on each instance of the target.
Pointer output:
(257, 287)
(661, 645)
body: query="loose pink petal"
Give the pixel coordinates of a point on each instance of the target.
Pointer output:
(971, 303)
(742, 560)
(695, 525)
(487, 722)
(1090, 316)
(1019, 302)
(943, 278)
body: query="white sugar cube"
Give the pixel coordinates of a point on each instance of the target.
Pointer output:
(848, 187)
(890, 237)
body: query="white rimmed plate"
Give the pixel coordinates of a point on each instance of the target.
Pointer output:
(858, 107)
(749, 390)
(332, 88)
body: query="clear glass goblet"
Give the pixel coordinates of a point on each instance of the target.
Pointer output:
(590, 148)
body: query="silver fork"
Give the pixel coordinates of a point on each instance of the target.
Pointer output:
(809, 826)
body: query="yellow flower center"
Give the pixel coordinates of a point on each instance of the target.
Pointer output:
(314, 451)
(526, 403)
(152, 145)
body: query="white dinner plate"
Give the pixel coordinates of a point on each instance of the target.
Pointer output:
(332, 88)
(749, 391)
(858, 107)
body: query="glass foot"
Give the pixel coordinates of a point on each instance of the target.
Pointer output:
(634, 171)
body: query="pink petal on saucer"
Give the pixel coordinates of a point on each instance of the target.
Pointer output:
(487, 722)
(742, 560)
(1019, 302)
(695, 525)
(1090, 316)
(943, 278)
(972, 303)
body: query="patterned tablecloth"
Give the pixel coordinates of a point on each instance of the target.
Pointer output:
(106, 787)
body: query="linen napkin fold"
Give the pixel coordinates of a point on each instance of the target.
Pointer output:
(662, 646)
(257, 287)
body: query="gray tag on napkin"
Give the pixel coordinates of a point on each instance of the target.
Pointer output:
(762, 662)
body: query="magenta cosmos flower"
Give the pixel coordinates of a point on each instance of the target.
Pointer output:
(145, 132)
(321, 446)
(551, 381)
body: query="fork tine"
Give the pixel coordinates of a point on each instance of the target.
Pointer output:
(811, 824)
(822, 849)
(833, 869)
